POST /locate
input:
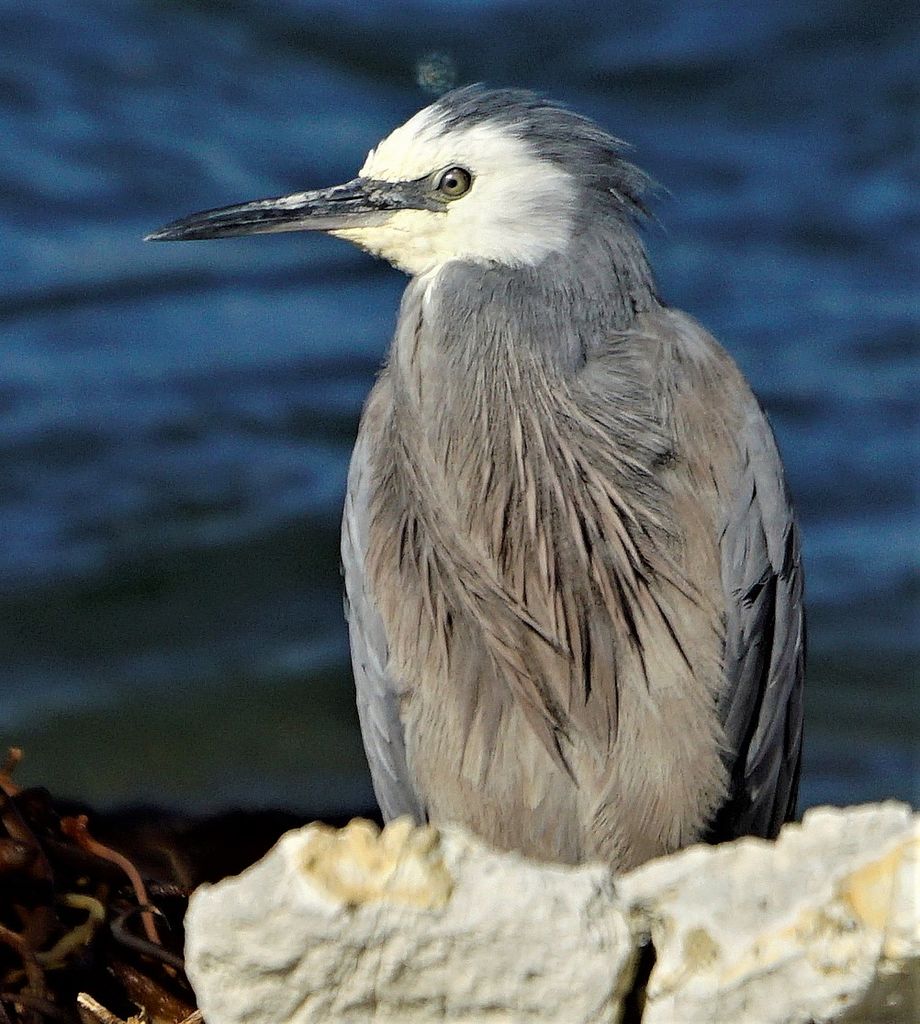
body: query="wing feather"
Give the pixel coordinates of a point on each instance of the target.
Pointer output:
(761, 706)
(377, 692)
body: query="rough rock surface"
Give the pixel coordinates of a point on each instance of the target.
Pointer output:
(413, 925)
(822, 925)
(406, 926)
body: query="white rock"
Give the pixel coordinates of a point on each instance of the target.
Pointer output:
(405, 926)
(822, 925)
(410, 925)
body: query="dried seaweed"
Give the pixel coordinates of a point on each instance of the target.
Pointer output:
(84, 937)
(92, 904)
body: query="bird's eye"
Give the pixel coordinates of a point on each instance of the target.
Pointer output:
(455, 182)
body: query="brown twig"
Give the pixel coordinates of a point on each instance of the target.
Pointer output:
(93, 1012)
(14, 940)
(20, 944)
(14, 855)
(38, 924)
(13, 757)
(76, 828)
(160, 1002)
(19, 831)
(44, 1006)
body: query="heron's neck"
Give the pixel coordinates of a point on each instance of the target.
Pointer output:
(464, 319)
(485, 359)
(494, 441)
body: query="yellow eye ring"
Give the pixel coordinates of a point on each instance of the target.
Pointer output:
(455, 182)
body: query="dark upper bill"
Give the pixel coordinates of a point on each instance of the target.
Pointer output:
(357, 203)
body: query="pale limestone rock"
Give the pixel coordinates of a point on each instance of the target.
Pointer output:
(406, 926)
(820, 926)
(414, 925)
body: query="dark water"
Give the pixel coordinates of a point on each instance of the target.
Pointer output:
(175, 420)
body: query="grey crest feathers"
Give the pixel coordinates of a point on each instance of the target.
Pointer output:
(593, 156)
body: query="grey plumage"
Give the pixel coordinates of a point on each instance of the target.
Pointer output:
(570, 556)
(640, 711)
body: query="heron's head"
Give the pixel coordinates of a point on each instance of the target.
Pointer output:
(488, 176)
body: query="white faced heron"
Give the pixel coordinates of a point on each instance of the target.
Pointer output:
(571, 560)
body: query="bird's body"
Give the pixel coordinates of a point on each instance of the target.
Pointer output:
(554, 637)
(571, 561)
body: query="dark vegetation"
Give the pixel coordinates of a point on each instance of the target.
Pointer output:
(94, 903)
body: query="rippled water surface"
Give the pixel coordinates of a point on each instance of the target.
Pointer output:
(175, 421)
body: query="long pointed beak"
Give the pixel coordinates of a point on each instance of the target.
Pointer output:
(361, 202)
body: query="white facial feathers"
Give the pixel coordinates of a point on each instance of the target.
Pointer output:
(518, 210)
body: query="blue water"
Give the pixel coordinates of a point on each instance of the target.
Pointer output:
(175, 421)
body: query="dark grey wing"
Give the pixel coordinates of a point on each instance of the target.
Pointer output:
(764, 661)
(377, 694)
